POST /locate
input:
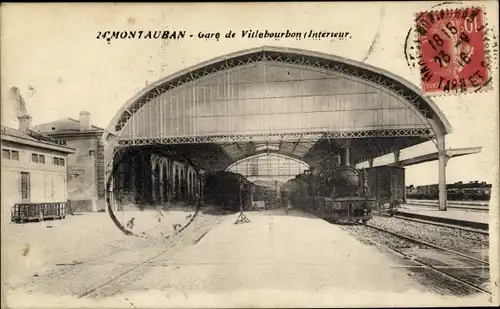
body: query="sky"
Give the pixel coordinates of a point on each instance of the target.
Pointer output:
(50, 52)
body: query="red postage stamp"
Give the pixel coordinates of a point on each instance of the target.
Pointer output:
(452, 51)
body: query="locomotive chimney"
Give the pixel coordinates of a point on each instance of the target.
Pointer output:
(336, 161)
(344, 153)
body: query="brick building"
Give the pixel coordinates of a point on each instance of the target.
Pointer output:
(86, 182)
(33, 168)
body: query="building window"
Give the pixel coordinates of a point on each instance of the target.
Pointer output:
(5, 154)
(14, 155)
(10, 154)
(37, 158)
(58, 161)
(25, 186)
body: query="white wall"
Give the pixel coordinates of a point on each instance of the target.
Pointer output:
(47, 181)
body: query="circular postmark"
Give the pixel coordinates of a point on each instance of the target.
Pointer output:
(410, 48)
(142, 197)
(452, 50)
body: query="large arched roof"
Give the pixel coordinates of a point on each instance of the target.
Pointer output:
(290, 55)
(239, 146)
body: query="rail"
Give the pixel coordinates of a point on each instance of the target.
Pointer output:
(449, 202)
(23, 212)
(452, 221)
(430, 222)
(465, 208)
(462, 279)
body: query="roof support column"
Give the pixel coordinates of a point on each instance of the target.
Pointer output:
(202, 184)
(110, 195)
(251, 194)
(175, 181)
(370, 162)
(396, 157)
(162, 182)
(153, 182)
(443, 160)
(170, 179)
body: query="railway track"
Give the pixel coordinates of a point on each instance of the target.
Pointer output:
(463, 228)
(438, 261)
(119, 261)
(456, 223)
(450, 206)
(201, 231)
(450, 202)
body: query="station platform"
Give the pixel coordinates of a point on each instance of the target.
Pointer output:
(462, 217)
(276, 252)
(276, 260)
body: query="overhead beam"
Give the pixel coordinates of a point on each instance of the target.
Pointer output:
(450, 153)
(340, 135)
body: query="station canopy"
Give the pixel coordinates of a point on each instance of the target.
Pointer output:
(296, 103)
(434, 156)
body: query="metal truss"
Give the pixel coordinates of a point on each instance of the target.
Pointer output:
(279, 57)
(268, 164)
(427, 133)
(269, 174)
(254, 157)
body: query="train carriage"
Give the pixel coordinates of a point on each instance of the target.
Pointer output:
(387, 185)
(459, 191)
(228, 190)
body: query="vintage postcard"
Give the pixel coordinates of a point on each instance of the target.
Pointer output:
(245, 155)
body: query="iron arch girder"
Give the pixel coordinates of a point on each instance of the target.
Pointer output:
(291, 56)
(295, 149)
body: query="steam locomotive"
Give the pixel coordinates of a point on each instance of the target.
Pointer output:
(337, 193)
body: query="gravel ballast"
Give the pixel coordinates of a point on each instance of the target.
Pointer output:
(372, 236)
(446, 237)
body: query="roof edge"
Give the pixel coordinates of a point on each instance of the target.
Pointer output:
(41, 144)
